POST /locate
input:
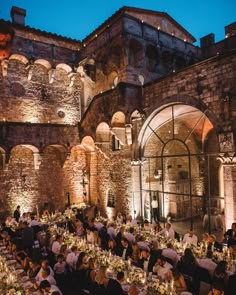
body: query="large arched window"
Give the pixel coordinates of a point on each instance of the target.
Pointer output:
(177, 163)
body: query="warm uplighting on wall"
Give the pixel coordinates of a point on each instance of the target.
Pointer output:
(24, 199)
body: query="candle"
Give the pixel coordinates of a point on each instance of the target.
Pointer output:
(172, 285)
(144, 280)
(201, 248)
(166, 285)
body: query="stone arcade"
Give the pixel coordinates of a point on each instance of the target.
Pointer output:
(133, 111)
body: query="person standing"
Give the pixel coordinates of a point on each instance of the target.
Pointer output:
(27, 237)
(16, 213)
(155, 214)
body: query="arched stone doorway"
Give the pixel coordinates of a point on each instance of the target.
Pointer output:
(179, 151)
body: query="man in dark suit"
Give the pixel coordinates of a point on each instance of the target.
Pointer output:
(146, 261)
(27, 237)
(213, 244)
(16, 213)
(126, 249)
(230, 235)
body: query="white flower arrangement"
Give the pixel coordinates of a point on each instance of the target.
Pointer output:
(11, 222)
(53, 218)
(136, 276)
(9, 284)
(157, 287)
(103, 260)
(16, 291)
(118, 264)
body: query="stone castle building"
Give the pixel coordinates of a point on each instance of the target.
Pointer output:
(133, 111)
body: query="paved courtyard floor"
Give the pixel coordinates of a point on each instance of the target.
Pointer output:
(182, 227)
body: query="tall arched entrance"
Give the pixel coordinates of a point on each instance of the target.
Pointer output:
(179, 151)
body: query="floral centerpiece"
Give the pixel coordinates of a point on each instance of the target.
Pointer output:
(136, 276)
(52, 218)
(11, 223)
(197, 250)
(103, 260)
(118, 264)
(158, 287)
(9, 284)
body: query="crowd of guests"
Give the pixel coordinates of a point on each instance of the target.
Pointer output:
(54, 268)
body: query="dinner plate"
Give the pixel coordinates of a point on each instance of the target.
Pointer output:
(24, 279)
(186, 293)
(5, 251)
(9, 257)
(9, 262)
(27, 285)
(19, 271)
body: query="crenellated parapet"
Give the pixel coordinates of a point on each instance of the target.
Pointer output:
(39, 92)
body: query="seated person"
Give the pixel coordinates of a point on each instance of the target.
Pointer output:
(147, 226)
(126, 249)
(170, 253)
(216, 289)
(190, 238)
(146, 261)
(131, 221)
(47, 288)
(230, 235)
(168, 232)
(179, 281)
(213, 244)
(207, 263)
(142, 243)
(162, 267)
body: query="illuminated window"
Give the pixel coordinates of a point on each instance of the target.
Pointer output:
(111, 200)
(115, 143)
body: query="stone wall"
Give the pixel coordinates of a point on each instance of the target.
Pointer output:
(39, 45)
(207, 83)
(39, 94)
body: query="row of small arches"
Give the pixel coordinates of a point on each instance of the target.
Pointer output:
(42, 69)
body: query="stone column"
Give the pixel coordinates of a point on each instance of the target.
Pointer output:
(137, 201)
(228, 160)
(229, 180)
(93, 178)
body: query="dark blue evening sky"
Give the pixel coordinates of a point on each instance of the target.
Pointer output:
(76, 19)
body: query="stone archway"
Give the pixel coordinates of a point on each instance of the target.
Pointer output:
(20, 180)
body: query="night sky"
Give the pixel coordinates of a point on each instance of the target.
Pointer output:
(76, 19)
